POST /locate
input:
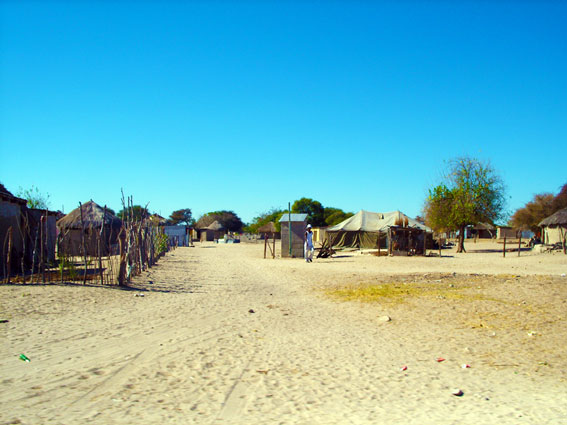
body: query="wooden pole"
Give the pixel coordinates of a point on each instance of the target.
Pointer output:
(520, 244)
(9, 255)
(379, 249)
(424, 243)
(122, 267)
(504, 248)
(42, 248)
(439, 244)
(84, 244)
(265, 243)
(99, 241)
(274, 245)
(389, 241)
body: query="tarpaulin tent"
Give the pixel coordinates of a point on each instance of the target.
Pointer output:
(363, 229)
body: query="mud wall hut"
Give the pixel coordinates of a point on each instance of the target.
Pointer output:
(554, 228)
(95, 223)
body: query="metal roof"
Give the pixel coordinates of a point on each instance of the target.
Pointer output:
(293, 217)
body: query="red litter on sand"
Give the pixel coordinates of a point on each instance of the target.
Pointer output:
(403, 368)
(466, 366)
(439, 359)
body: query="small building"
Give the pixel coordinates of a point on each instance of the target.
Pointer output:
(319, 234)
(177, 235)
(97, 224)
(293, 234)
(212, 232)
(554, 228)
(11, 213)
(483, 231)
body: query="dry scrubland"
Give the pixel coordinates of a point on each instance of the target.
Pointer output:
(223, 336)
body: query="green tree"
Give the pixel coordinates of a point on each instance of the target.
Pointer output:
(182, 216)
(228, 219)
(471, 193)
(314, 210)
(35, 198)
(273, 214)
(335, 216)
(541, 206)
(137, 212)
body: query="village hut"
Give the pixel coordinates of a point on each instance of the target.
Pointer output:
(11, 213)
(366, 229)
(484, 231)
(95, 223)
(212, 232)
(293, 234)
(554, 228)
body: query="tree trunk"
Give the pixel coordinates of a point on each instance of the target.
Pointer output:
(461, 243)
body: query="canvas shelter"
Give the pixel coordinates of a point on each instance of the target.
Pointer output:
(363, 229)
(554, 227)
(94, 219)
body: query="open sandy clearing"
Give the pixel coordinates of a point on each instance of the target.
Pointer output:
(192, 351)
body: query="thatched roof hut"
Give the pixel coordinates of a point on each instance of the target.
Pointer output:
(268, 228)
(93, 217)
(554, 227)
(559, 218)
(213, 231)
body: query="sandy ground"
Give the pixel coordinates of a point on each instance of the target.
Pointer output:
(222, 335)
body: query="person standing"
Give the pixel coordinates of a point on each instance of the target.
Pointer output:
(308, 249)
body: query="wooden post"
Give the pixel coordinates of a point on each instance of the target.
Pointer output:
(274, 245)
(520, 244)
(389, 241)
(122, 267)
(41, 248)
(84, 244)
(9, 255)
(265, 243)
(439, 244)
(99, 241)
(424, 243)
(379, 243)
(504, 249)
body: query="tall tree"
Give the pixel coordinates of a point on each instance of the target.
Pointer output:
(335, 216)
(228, 219)
(35, 198)
(314, 210)
(541, 206)
(273, 214)
(137, 212)
(471, 193)
(182, 216)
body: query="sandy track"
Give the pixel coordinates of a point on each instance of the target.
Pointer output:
(190, 350)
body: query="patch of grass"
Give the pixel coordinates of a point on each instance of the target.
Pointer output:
(399, 292)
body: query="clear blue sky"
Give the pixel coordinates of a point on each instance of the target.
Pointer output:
(248, 105)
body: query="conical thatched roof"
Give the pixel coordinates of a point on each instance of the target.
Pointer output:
(93, 216)
(8, 196)
(267, 228)
(559, 218)
(216, 226)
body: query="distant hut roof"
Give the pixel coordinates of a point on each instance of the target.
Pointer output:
(93, 216)
(267, 228)
(216, 226)
(559, 218)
